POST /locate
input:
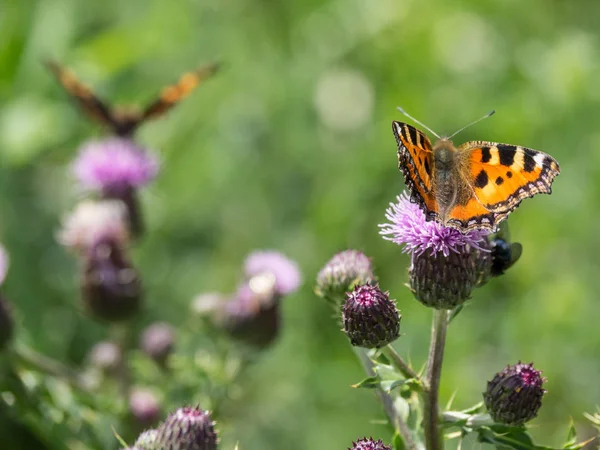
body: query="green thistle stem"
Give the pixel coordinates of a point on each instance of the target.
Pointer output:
(41, 363)
(433, 439)
(399, 363)
(120, 335)
(388, 403)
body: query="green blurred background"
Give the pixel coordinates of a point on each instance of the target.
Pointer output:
(290, 147)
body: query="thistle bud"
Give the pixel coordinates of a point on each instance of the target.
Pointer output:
(187, 429)
(253, 315)
(369, 444)
(157, 342)
(284, 271)
(147, 439)
(446, 265)
(514, 396)
(370, 318)
(111, 286)
(341, 273)
(444, 282)
(144, 407)
(105, 356)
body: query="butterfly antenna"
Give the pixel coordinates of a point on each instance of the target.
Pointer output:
(415, 120)
(491, 113)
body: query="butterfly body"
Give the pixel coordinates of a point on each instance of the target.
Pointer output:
(473, 186)
(124, 121)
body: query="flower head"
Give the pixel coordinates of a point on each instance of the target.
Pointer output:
(106, 356)
(286, 272)
(114, 163)
(445, 264)
(369, 444)
(92, 222)
(407, 227)
(144, 406)
(370, 318)
(187, 429)
(147, 439)
(252, 315)
(111, 285)
(157, 341)
(341, 273)
(514, 396)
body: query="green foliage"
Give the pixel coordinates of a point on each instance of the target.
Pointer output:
(290, 147)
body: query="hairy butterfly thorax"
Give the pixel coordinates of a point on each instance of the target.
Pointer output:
(124, 121)
(473, 186)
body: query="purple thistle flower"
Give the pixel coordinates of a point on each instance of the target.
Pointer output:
(92, 222)
(286, 272)
(407, 227)
(252, 315)
(369, 444)
(445, 264)
(114, 164)
(144, 406)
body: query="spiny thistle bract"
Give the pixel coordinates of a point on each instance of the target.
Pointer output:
(369, 444)
(514, 396)
(370, 317)
(188, 428)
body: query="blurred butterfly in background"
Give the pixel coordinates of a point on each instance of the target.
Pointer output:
(474, 186)
(504, 252)
(124, 121)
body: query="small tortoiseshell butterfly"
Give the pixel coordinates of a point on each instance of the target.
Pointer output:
(474, 186)
(124, 121)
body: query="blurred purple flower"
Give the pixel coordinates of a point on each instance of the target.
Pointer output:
(407, 227)
(144, 406)
(286, 272)
(157, 341)
(3, 264)
(92, 222)
(114, 163)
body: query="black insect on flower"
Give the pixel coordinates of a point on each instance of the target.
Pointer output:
(370, 317)
(514, 396)
(504, 252)
(445, 264)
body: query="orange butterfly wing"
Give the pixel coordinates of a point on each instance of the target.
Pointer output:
(415, 161)
(171, 95)
(501, 176)
(86, 99)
